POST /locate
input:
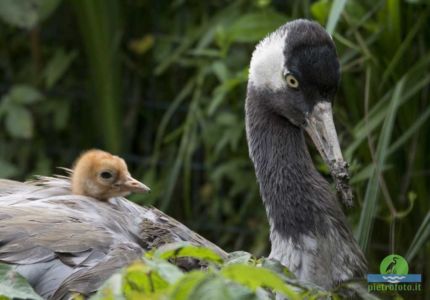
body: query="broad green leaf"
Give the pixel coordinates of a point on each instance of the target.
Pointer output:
(140, 278)
(61, 117)
(254, 277)
(212, 288)
(276, 267)
(21, 13)
(14, 286)
(24, 94)
(47, 7)
(26, 13)
(57, 66)
(254, 26)
(111, 289)
(187, 250)
(19, 122)
(185, 286)
(238, 257)
(320, 10)
(168, 271)
(203, 285)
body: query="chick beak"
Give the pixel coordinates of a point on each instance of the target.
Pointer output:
(134, 186)
(320, 127)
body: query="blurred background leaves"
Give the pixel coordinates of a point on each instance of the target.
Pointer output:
(163, 83)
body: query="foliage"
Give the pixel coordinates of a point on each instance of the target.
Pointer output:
(240, 276)
(163, 84)
(14, 286)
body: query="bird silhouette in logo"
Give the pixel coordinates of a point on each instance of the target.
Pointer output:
(391, 268)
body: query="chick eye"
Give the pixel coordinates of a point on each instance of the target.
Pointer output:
(106, 175)
(292, 82)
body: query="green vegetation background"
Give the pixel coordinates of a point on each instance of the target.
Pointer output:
(163, 83)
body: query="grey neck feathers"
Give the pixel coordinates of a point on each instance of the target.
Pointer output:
(297, 198)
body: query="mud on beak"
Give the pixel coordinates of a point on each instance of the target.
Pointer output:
(320, 127)
(134, 186)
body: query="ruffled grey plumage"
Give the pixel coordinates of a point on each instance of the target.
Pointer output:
(64, 243)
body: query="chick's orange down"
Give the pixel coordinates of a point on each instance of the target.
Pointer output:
(101, 175)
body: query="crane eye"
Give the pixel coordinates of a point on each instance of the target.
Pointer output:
(292, 82)
(106, 175)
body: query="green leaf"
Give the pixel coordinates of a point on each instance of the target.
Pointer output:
(276, 267)
(57, 66)
(26, 13)
(19, 122)
(141, 279)
(24, 94)
(238, 257)
(14, 286)
(254, 277)
(254, 26)
(19, 13)
(320, 10)
(186, 285)
(175, 250)
(111, 289)
(47, 7)
(202, 285)
(166, 270)
(61, 116)
(212, 288)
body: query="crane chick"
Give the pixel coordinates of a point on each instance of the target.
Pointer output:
(101, 175)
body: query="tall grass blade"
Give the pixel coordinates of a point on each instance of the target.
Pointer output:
(403, 49)
(411, 131)
(421, 237)
(378, 113)
(335, 12)
(372, 191)
(99, 25)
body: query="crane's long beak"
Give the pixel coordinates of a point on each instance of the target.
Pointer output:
(320, 127)
(134, 186)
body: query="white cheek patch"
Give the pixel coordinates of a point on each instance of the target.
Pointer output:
(267, 63)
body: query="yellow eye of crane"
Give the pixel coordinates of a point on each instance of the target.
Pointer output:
(292, 82)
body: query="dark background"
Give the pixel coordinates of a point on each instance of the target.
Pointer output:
(162, 83)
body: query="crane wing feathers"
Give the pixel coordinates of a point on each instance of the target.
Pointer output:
(86, 281)
(77, 242)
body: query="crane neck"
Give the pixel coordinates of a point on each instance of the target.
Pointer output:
(297, 198)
